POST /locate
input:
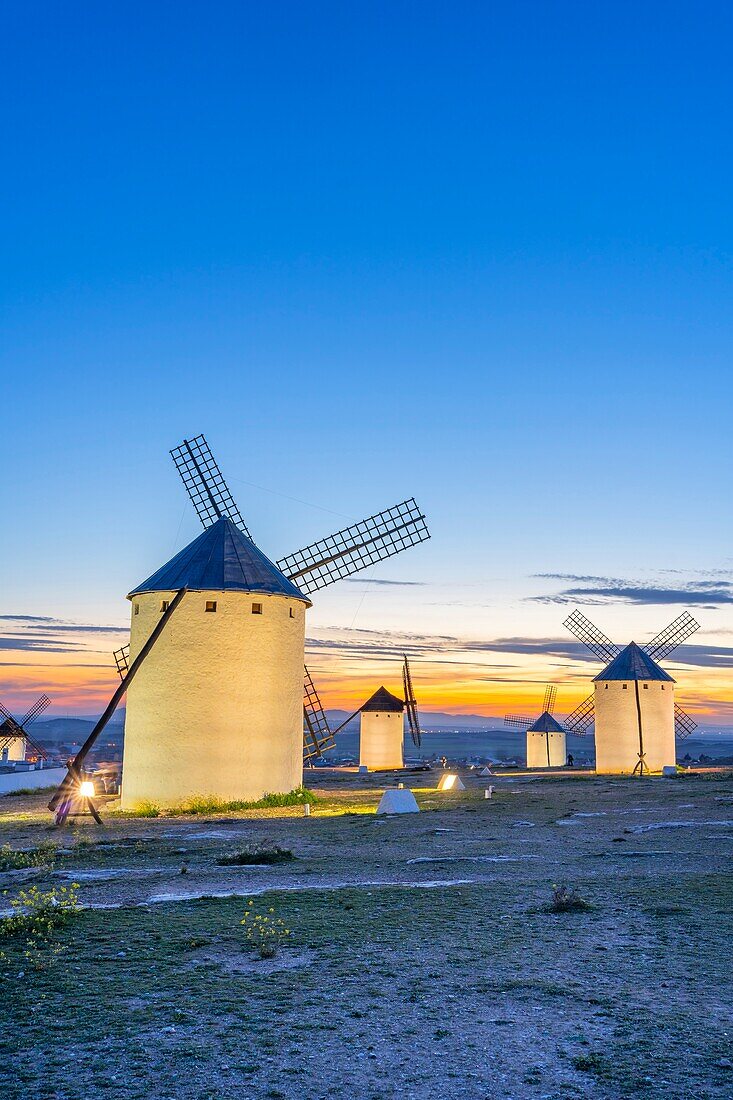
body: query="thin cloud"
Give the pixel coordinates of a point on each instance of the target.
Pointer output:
(600, 590)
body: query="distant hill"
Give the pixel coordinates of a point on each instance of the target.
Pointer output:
(55, 730)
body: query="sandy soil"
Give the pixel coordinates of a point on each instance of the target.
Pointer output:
(422, 962)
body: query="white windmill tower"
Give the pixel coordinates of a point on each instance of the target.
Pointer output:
(546, 746)
(632, 704)
(382, 726)
(381, 732)
(214, 672)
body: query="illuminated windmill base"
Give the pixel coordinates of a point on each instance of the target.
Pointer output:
(636, 718)
(217, 708)
(381, 732)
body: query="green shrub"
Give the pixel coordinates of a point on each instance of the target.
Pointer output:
(256, 854)
(37, 917)
(263, 931)
(16, 859)
(145, 808)
(565, 899)
(206, 804)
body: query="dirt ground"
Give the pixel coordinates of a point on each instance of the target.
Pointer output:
(422, 961)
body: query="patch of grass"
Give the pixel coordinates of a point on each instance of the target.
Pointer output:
(147, 809)
(17, 859)
(209, 805)
(256, 854)
(591, 1063)
(566, 899)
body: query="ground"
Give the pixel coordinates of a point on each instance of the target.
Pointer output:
(422, 962)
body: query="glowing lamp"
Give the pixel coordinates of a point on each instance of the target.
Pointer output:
(451, 782)
(86, 789)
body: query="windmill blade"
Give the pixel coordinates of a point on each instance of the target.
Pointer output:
(355, 548)
(596, 641)
(30, 742)
(38, 708)
(205, 483)
(549, 701)
(413, 718)
(672, 636)
(122, 660)
(317, 736)
(9, 723)
(518, 721)
(582, 718)
(683, 724)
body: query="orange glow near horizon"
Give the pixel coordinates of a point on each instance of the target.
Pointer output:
(452, 681)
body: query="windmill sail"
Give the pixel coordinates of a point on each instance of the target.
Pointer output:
(317, 735)
(683, 724)
(413, 718)
(205, 483)
(595, 640)
(518, 721)
(673, 635)
(582, 718)
(548, 704)
(355, 548)
(122, 660)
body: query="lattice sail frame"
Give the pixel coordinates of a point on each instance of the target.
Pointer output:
(591, 637)
(548, 704)
(13, 730)
(673, 635)
(205, 483)
(413, 717)
(582, 718)
(122, 660)
(518, 721)
(357, 547)
(317, 735)
(683, 724)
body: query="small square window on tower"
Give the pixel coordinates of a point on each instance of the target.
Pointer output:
(164, 605)
(645, 686)
(256, 608)
(211, 605)
(625, 687)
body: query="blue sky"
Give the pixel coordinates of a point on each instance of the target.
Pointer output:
(478, 253)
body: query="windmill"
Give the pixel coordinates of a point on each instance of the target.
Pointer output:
(14, 736)
(545, 735)
(214, 701)
(382, 729)
(632, 705)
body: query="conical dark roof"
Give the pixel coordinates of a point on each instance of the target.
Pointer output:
(384, 700)
(221, 558)
(633, 663)
(546, 724)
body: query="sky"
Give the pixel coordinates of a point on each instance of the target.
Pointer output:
(478, 253)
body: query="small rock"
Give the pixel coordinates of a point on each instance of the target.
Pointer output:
(725, 1063)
